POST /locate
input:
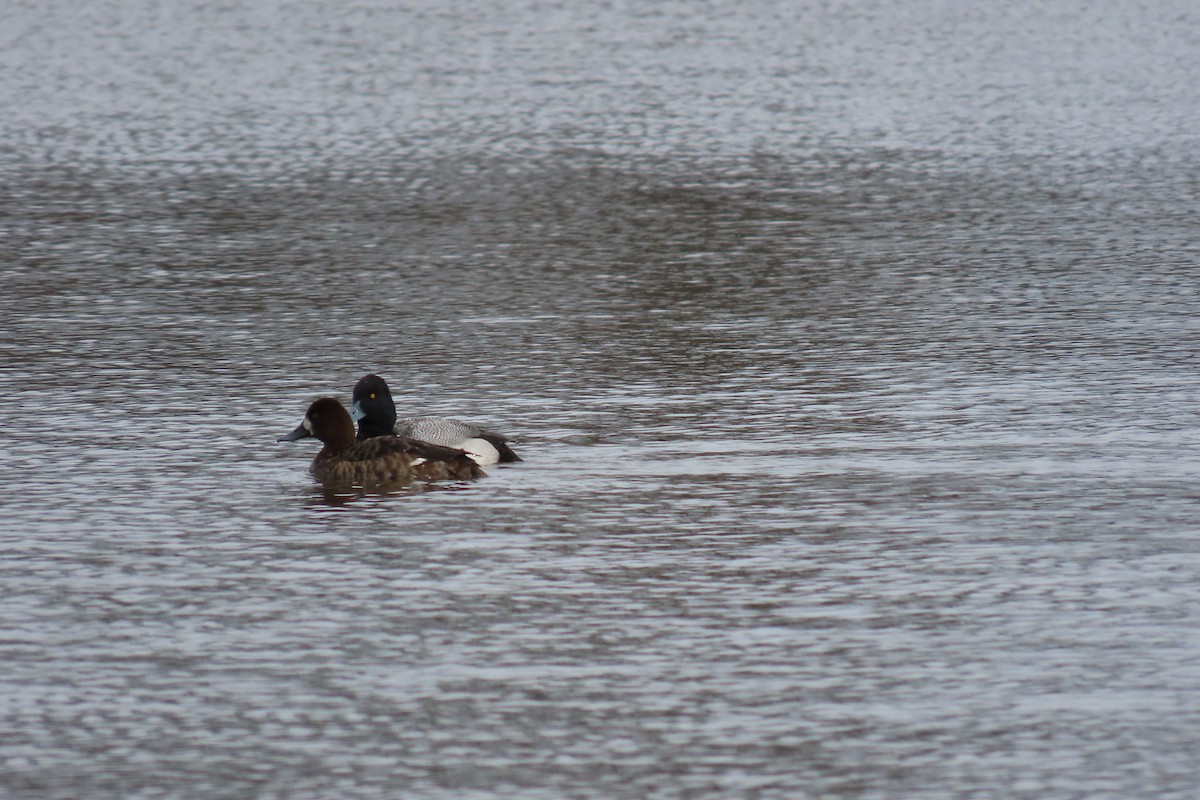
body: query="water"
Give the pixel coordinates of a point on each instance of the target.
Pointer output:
(851, 350)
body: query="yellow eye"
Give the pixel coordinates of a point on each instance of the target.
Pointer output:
(372, 395)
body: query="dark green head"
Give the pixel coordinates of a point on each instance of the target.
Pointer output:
(372, 407)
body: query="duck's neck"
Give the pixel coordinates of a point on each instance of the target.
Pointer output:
(338, 441)
(370, 428)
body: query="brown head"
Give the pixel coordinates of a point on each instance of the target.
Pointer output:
(328, 421)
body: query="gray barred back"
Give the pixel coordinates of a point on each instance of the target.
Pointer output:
(438, 430)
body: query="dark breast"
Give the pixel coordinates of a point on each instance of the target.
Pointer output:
(394, 460)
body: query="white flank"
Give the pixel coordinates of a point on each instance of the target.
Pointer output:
(481, 451)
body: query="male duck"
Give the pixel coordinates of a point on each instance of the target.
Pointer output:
(376, 415)
(385, 460)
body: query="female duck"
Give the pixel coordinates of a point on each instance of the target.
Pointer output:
(386, 460)
(376, 415)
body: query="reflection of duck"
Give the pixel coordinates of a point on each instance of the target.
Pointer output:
(384, 460)
(376, 415)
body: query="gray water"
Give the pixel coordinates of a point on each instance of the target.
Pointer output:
(851, 349)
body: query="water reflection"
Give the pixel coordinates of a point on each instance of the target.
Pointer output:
(344, 496)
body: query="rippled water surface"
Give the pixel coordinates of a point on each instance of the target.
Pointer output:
(851, 349)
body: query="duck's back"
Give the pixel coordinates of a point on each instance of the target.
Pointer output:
(394, 460)
(436, 430)
(485, 446)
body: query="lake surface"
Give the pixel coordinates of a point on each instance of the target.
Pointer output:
(853, 351)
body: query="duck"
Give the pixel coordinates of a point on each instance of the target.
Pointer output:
(379, 461)
(373, 409)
